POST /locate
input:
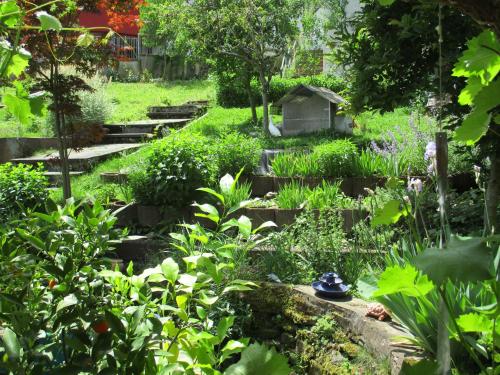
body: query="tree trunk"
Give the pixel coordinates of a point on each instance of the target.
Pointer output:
(61, 134)
(492, 193)
(248, 88)
(265, 100)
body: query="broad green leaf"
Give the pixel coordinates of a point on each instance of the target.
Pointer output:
(206, 300)
(386, 2)
(405, 280)
(473, 127)
(187, 280)
(267, 224)
(236, 288)
(220, 197)
(182, 300)
(245, 226)
(226, 184)
(231, 348)
(48, 22)
(115, 323)
(480, 59)
(36, 242)
(223, 327)
(488, 98)
(11, 343)
(470, 91)
(366, 286)
(69, 300)
(9, 13)
(475, 322)
(258, 359)
(464, 259)
(207, 208)
(201, 312)
(170, 270)
(389, 214)
(37, 103)
(130, 268)
(85, 40)
(20, 108)
(17, 64)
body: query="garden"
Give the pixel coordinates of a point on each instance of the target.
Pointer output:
(203, 242)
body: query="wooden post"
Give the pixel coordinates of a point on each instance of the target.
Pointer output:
(443, 340)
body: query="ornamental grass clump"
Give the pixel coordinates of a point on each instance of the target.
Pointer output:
(294, 165)
(335, 159)
(328, 196)
(292, 196)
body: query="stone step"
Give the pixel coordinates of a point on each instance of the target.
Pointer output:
(82, 160)
(55, 178)
(127, 138)
(146, 126)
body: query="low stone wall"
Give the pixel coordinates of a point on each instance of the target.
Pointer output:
(300, 307)
(11, 148)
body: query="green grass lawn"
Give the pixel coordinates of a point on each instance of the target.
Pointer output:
(131, 102)
(375, 125)
(133, 99)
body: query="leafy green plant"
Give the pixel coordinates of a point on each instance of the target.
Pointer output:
(293, 195)
(240, 192)
(21, 187)
(175, 168)
(235, 151)
(294, 164)
(335, 159)
(67, 311)
(328, 195)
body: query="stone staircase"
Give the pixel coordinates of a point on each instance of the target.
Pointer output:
(119, 139)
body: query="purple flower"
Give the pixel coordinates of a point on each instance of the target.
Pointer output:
(430, 151)
(416, 185)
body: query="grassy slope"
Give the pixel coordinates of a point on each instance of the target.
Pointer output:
(133, 99)
(131, 103)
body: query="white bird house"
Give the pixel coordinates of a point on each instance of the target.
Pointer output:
(309, 109)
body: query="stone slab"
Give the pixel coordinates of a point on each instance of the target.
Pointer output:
(83, 159)
(382, 339)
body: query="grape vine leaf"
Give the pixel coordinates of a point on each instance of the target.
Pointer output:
(470, 91)
(10, 13)
(474, 126)
(389, 214)
(48, 21)
(474, 322)
(259, 359)
(405, 280)
(19, 107)
(481, 58)
(464, 259)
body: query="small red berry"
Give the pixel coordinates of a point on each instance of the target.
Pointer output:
(100, 327)
(52, 284)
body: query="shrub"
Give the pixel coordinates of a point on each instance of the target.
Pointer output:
(176, 167)
(335, 159)
(236, 151)
(21, 186)
(231, 94)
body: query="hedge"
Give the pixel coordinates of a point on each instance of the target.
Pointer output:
(230, 93)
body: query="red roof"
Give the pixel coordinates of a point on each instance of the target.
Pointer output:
(101, 19)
